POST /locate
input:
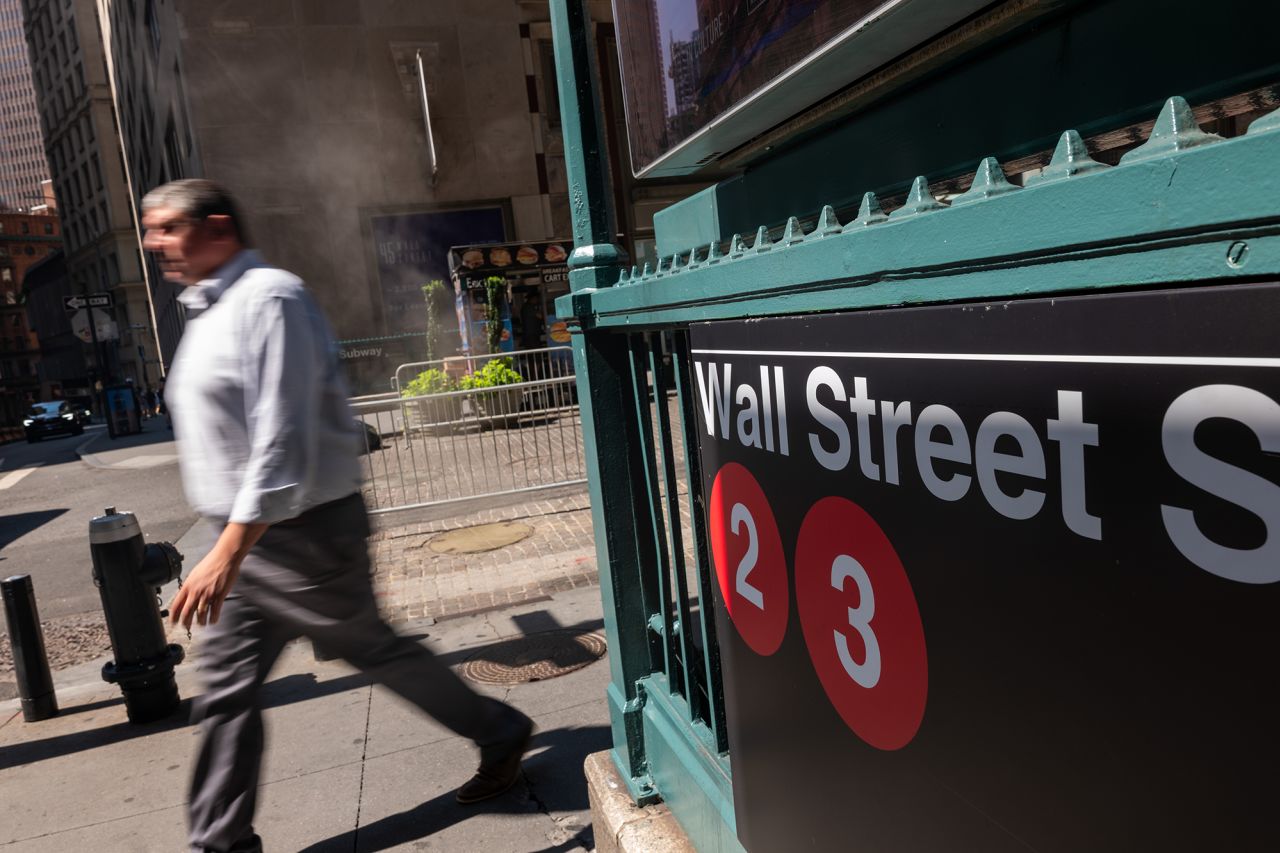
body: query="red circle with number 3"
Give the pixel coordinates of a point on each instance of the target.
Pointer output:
(861, 623)
(750, 564)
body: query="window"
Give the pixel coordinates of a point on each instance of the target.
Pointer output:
(26, 228)
(48, 228)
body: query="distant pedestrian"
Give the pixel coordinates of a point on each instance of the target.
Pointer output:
(149, 402)
(267, 447)
(137, 403)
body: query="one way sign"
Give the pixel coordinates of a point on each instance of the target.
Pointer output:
(95, 300)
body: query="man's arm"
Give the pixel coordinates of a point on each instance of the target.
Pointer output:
(204, 590)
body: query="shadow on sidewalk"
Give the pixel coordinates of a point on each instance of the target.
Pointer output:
(302, 686)
(280, 692)
(552, 782)
(73, 742)
(14, 527)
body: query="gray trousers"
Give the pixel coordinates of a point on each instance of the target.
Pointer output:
(306, 577)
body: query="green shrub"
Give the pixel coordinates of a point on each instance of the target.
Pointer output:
(494, 287)
(498, 371)
(431, 293)
(431, 381)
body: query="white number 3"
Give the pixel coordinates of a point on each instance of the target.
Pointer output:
(867, 673)
(739, 516)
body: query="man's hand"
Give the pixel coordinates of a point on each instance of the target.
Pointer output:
(206, 587)
(204, 590)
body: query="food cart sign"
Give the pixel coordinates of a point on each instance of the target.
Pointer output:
(701, 77)
(999, 576)
(512, 260)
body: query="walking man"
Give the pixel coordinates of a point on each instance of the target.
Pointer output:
(267, 448)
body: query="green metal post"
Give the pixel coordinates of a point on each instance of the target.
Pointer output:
(596, 258)
(602, 362)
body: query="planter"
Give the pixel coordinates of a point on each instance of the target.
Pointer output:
(433, 414)
(500, 405)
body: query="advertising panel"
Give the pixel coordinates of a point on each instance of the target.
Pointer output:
(999, 576)
(412, 248)
(547, 259)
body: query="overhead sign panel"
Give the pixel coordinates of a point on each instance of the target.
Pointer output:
(704, 76)
(999, 576)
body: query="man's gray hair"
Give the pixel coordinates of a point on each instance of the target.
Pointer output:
(198, 199)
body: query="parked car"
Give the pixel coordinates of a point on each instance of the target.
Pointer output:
(51, 418)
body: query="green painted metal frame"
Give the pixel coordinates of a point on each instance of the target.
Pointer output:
(1168, 213)
(1184, 208)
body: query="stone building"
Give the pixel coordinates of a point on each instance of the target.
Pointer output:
(22, 162)
(101, 244)
(312, 114)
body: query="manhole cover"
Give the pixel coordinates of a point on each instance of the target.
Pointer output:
(482, 537)
(536, 657)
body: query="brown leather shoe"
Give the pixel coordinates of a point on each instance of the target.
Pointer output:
(499, 765)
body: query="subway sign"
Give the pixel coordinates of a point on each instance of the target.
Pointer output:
(1002, 575)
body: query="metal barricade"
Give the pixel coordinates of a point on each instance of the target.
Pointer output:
(532, 364)
(454, 445)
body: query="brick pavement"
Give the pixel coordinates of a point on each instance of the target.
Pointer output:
(413, 581)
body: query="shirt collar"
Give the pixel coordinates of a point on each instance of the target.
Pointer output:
(202, 296)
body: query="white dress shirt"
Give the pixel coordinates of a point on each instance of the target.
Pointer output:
(259, 407)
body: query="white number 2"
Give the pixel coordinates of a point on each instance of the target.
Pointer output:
(867, 673)
(739, 516)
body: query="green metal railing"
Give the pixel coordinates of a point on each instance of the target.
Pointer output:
(1184, 207)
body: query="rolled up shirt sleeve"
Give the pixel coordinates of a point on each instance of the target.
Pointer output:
(282, 368)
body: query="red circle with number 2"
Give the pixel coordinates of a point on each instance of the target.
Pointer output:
(861, 623)
(750, 564)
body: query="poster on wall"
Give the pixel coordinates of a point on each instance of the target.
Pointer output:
(411, 249)
(1000, 576)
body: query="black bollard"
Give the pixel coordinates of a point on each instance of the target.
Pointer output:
(30, 663)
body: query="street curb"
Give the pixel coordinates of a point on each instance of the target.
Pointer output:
(619, 825)
(92, 459)
(88, 458)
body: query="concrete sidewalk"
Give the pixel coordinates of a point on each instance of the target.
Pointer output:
(348, 766)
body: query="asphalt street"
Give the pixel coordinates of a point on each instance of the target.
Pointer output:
(48, 495)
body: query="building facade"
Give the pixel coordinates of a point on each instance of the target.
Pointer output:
(312, 114)
(25, 240)
(94, 202)
(23, 167)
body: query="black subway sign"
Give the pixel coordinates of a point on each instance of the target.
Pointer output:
(1000, 575)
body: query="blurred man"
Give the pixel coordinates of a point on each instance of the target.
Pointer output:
(267, 447)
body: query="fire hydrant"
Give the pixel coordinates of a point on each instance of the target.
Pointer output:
(129, 573)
